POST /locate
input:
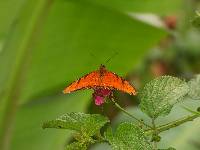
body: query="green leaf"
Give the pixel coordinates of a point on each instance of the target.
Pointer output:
(127, 136)
(194, 85)
(160, 94)
(12, 60)
(76, 146)
(84, 123)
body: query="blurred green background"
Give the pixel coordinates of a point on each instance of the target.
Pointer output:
(46, 44)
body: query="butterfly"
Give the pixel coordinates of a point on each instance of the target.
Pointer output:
(103, 82)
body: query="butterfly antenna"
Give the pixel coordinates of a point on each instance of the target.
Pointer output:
(95, 57)
(115, 54)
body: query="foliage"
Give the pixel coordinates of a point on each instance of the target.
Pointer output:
(156, 99)
(87, 125)
(45, 44)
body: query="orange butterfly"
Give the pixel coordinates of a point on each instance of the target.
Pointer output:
(103, 82)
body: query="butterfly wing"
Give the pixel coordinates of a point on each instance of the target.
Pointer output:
(101, 79)
(111, 80)
(90, 80)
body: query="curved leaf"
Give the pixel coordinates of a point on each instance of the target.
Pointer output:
(84, 123)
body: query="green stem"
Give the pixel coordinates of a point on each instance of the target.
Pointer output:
(172, 124)
(155, 134)
(126, 112)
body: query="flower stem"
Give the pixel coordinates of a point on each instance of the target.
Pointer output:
(126, 112)
(172, 124)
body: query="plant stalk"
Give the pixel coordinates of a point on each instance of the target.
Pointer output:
(172, 124)
(130, 115)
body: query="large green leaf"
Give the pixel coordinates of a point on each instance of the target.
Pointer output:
(73, 33)
(160, 94)
(12, 61)
(126, 137)
(89, 124)
(28, 132)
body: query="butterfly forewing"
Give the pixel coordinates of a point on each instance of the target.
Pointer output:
(101, 79)
(88, 81)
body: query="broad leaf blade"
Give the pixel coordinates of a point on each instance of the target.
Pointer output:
(70, 38)
(128, 136)
(194, 85)
(12, 59)
(160, 94)
(84, 123)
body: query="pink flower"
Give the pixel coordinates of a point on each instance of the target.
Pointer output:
(99, 100)
(100, 94)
